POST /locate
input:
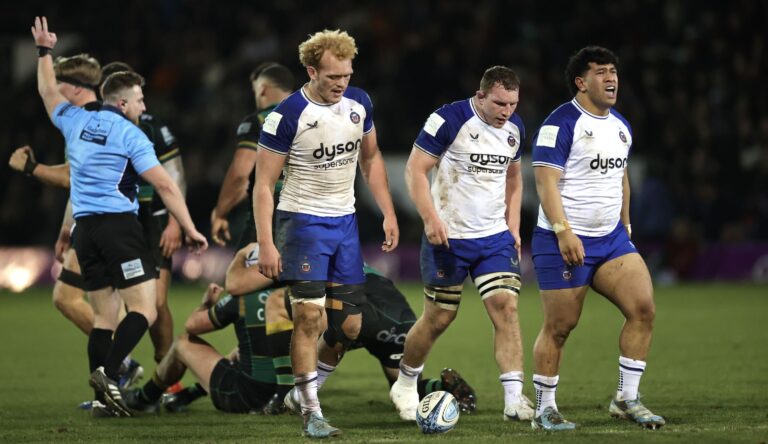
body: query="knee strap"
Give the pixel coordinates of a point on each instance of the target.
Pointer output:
(492, 284)
(447, 298)
(342, 301)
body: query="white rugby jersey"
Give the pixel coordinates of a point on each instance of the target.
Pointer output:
(592, 153)
(469, 183)
(322, 143)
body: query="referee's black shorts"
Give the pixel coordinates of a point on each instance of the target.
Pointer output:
(112, 251)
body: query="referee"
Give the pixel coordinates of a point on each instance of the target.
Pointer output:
(107, 152)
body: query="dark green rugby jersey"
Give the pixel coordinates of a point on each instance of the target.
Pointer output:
(248, 316)
(248, 133)
(166, 148)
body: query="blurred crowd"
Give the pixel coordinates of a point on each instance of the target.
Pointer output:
(690, 85)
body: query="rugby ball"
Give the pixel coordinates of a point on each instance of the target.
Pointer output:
(438, 413)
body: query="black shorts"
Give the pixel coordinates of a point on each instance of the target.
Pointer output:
(249, 231)
(233, 391)
(112, 251)
(153, 229)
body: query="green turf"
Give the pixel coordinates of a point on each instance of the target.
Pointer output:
(707, 373)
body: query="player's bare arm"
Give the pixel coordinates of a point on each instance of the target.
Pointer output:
(233, 190)
(268, 168)
(171, 237)
(46, 78)
(625, 203)
(173, 199)
(242, 279)
(23, 160)
(416, 179)
(513, 198)
(64, 241)
(199, 322)
(570, 245)
(375, 174)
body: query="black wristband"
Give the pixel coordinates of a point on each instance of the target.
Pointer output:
(29, 166)
(43, 51)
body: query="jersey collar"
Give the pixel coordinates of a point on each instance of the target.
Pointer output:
(581, 108)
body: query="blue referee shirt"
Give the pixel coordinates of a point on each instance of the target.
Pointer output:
(106, 154)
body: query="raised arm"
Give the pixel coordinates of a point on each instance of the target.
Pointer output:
(416, 179)
(570, 245)
(46, 78)
(375, 174)
(268, 167)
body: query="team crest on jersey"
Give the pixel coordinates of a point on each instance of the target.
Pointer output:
(567, 275)
(305, 267)
(622, 136)
(354, 117)
(511, 141)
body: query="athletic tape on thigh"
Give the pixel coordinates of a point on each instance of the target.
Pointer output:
(310, 292)
(338, 310)
(447, 298)
(492, 284)
(71, 278)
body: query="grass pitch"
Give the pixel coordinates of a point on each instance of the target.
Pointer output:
(707, 374)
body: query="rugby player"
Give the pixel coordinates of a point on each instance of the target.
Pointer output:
(582, 238)
(271, 84)
(475, 145)
(317, 135)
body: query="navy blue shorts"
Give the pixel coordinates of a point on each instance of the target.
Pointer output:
(442, 266)
(554, 274)
(316, 248)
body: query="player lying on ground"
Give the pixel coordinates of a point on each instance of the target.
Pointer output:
(260, 316)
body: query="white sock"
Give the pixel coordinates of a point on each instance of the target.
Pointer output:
(513, 387)
(630, 371)
(323, 372)
(545, 392)
(408, 376)
(306, 385)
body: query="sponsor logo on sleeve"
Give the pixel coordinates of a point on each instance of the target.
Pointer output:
(547, 136)
(271, 123)
(244, 128)
(167, 135)
(434, 122)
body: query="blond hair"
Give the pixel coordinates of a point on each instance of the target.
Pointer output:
(341, 45)
(81, 68)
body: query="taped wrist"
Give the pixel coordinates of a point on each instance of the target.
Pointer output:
(43, 51)
(29, 166)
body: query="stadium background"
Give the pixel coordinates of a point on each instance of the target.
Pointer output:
(690, 84)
